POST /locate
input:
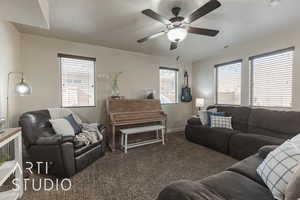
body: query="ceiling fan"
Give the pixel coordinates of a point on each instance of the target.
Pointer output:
(178, 27)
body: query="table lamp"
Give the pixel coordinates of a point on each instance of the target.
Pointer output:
(199, 103)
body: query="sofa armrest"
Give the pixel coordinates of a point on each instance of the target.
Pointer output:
(59, 156)
(54, 140)
(265, 150)
(195, 122)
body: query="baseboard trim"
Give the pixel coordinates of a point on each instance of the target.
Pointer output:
(174, 130)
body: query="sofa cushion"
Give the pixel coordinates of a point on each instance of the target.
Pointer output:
(62, 127)
(210, 113)
(239, 114)
(73, 123)
(231, 185)
(215, 138)
(203, 115)
(243, 145)
(247, 167)
(188, 190)
(281, 124)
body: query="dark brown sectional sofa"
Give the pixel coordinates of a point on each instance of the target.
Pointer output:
(253, 128)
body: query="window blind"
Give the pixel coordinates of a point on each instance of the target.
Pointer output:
(168, 85)
(77, 81)
(272, 79)
(228, 86)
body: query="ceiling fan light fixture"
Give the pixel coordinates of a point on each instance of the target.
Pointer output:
(177, 34)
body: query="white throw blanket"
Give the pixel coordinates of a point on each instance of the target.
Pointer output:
(89, 132)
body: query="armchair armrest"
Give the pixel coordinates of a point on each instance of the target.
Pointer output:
(54, 140)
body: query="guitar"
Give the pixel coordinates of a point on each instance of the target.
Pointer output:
(186, 94)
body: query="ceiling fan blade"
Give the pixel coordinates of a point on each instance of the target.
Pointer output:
(150, 13)
(151, 36)
(205, 9)
(173, 45)
(203, 31)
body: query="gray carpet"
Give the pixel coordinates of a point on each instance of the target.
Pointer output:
(141, 174)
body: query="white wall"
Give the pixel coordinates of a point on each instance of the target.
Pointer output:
(204, 73)
(9, 62)
(41, 67)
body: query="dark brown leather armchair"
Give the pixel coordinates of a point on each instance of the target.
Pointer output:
(64, 156)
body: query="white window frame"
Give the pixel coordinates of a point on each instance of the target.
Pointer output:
(251, 78)
(61, 55)
(216, 80)
(176, 84)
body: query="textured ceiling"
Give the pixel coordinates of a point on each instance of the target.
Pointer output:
(119, 23)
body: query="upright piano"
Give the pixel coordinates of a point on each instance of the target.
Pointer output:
(123, 112)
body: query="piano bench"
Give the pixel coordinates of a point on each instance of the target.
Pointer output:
(130, 131)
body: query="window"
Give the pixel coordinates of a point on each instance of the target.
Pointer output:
(272, 79)
(228, 86)
(77, 81)
(168, 85)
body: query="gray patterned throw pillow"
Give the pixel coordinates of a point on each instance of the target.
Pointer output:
(220, 122)
(278, 168)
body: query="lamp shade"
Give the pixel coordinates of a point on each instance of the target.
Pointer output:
(199, 102)
(23, 89)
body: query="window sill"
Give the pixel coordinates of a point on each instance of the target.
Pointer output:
(78, 106)
(228, 105)
(273, 107)
(175, 103)
(265, 107)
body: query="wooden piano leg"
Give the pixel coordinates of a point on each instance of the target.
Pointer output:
(113, 140)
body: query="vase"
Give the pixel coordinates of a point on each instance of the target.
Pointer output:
(115, 92)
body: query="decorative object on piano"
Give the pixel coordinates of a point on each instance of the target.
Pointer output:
(122, 112)
(150, 94)
(114, 78)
